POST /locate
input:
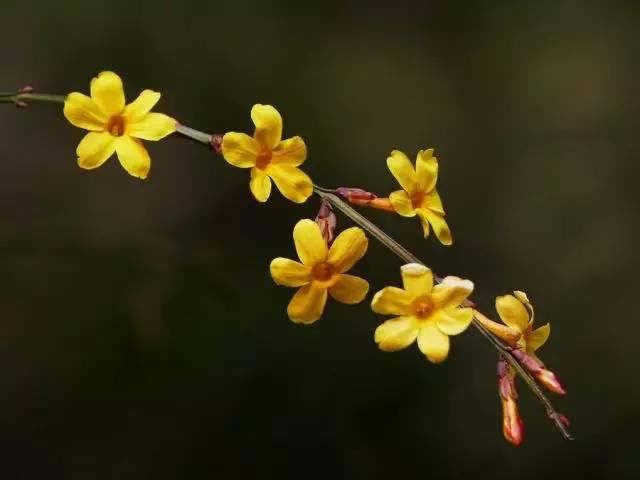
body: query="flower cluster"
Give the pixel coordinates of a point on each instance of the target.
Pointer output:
(426, 309)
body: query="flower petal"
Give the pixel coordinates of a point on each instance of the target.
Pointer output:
(451, 292)
(538, 337)
(268, 124)
(416, 279)
(292, 182)
(453, 321)
(392, 301)
(133, 157)
(108, 92)
(348, 247)
(260, 185)
(349, 289)
(401, 203)
(310, 244)
(426, 170)
(94, 149)
(83, 112)
(433, 343)
(141, 105)
(512, 312)
(402, 169)
(239, 149)
(153, 126)
(289, 273)
(396, 334)
(307, 304)
(437, 221)
(433, 202)
(292, 151)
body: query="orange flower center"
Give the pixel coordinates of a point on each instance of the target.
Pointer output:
(417, 198)
(116, 125)
(263, 159)
(423, 307)
(322, 271)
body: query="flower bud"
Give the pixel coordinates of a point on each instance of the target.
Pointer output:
(326, 220)
(512, 424)
(538, 370)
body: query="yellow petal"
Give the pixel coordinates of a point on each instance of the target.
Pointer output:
(133, 157)
(307, 304)
(453, 321)
(260, 185)
(512, 312)
(268, 124)
(392, 301)
(451, 292)
(426, 170)
(433, 343)
(83, 112)
(416, 279)
(240, 150)
(108, 93)
(538, 337)
(289, 272)
(520, 295)
(141, 105)
(310, 244)
(152, 126)
(94, 149)
(396, 334)
(402, 169)
(437, 221)
(348, 247)
(349, 289)
(401, 203)
(292, 151)
(433, 202)
(292, 182)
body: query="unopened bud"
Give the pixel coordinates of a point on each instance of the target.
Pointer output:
(539, 371)
(26, 89)
(512, 424)
(327, 221)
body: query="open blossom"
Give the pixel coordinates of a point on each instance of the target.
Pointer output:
(423, 311)
(269, 157)
(115, 127)
(517, 312)
(419, 195)
(321, 270)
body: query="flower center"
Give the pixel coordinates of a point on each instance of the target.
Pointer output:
(322, 271)
(115, 126)
(423, 307)
(263, 159)
(417, 198)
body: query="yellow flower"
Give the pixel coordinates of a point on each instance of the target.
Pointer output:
(114, 126)
(419, 195)
(269, 157)
(322, 270)
(517, 312)
(424, 311)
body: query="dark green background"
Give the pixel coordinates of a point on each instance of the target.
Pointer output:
(140, 333)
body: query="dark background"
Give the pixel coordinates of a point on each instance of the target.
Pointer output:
(140, 333)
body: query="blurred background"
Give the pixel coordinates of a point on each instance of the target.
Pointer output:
(141, 335)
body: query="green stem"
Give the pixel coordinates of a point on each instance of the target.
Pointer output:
(408, 257)
(20, 98)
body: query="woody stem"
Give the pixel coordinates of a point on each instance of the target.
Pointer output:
(408, 257)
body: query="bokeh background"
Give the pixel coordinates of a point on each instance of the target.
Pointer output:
(140, 333)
